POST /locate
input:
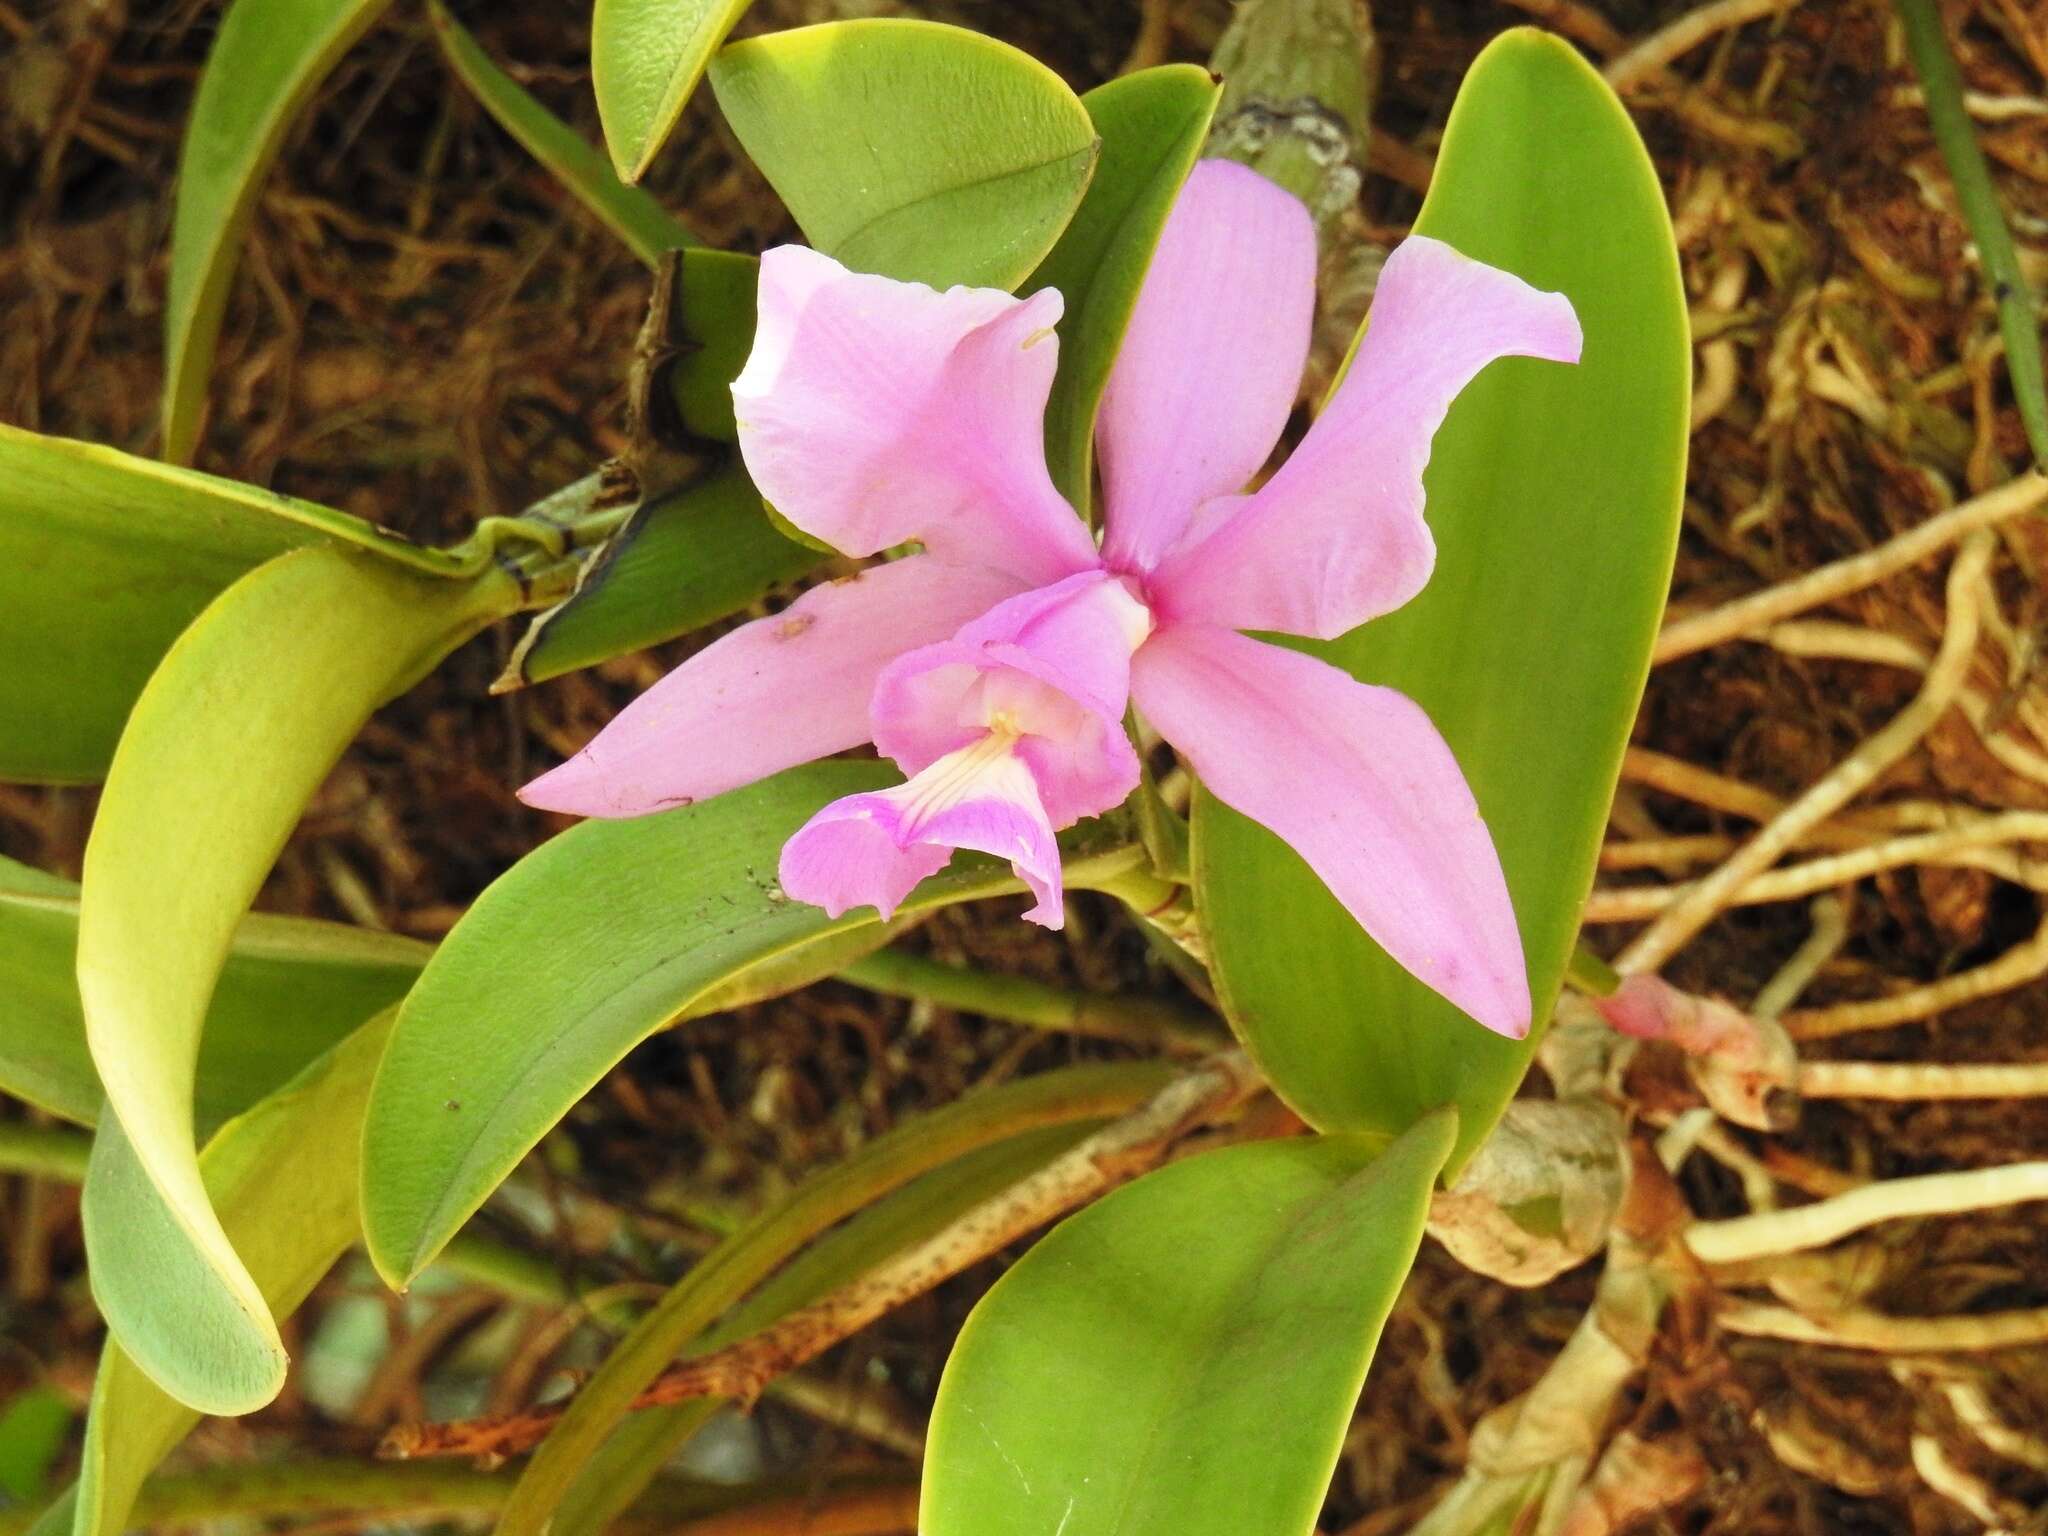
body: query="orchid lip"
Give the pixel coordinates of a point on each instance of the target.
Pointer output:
(943, 782)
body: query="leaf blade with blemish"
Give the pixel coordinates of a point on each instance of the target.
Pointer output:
(1183, 1357)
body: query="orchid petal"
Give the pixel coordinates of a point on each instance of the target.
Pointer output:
(1211, 360)
(1015, 829)
(1336, 537)
(846, 856)
(1053, 667)
(872, 413)
(1362, 786)
(871, 849)
(772, 694)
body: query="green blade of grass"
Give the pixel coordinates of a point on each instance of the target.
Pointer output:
(2019, 315)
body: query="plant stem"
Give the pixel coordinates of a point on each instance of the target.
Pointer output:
(58, 1152)
(1297, 97)
(1135, 1020)
(2025, 962)
(1163, 905)
(1916, 1080)
(2018, 314)
(1653, 53)
(1119, 1151)
(526, 1276)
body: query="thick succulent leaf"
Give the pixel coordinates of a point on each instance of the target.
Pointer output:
(234, 732)
(104, 559)
(680, 563)
(920, 151)
(1152, 125)
(1182, 1358)
(580, 951)
(1554, 497)
(646, 57)
(291, 988)
(283, 1177)
(267, 58)
(636, 217)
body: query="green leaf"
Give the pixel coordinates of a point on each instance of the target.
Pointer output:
(646, 57)
(2019, 312)
(104, 559)
(1183, 1357)
(241, 722)
(956, 1156)
(795, 969)
(19, 880)
(1554, 497)
(267, 59)
(1152, 125)
(920, 151)
(44, 1151)
(679, 564)
(291, 988)
(575, 955)
(636, 217)
(33, 1428)
(715, 307)
(283, 1177)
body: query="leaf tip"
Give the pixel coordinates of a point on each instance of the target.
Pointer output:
(396, 1271)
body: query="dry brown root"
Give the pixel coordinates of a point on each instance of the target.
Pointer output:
(1536, 1452)
(1636, 1478)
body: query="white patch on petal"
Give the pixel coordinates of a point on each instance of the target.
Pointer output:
(988, 769)
(1131, 614)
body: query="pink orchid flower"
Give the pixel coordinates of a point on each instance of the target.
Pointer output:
(995, 666)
